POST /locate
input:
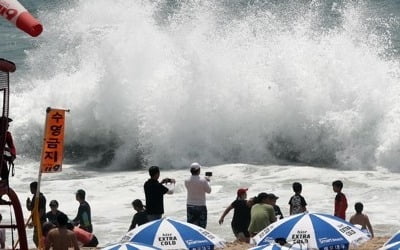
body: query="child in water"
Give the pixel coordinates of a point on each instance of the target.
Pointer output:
(362, 219)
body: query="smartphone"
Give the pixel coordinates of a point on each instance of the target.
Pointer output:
(208, 174)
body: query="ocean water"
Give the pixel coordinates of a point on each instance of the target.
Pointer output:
(263, 93)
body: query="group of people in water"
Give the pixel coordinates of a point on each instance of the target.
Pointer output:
(250, 216)
(57, 231)
(253, 215)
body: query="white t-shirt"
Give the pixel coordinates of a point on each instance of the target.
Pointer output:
(197, 187)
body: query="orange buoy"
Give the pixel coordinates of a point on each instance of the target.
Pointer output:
(14, 12)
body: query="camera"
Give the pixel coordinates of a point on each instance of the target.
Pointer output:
(208, 174)
(166, 180)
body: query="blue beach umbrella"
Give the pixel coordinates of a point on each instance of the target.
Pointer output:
(167, 233)
(393, 239)
(275, 246)
(130, 246)
(393, 243)
(317, 231)
(392, 246)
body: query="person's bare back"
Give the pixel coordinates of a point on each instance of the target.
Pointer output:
(61, 239)
(361, 219)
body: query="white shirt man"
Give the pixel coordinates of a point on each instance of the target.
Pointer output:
(197, 187)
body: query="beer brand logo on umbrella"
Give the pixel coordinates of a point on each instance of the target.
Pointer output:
(167, 233)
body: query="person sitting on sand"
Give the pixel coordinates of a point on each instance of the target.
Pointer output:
(51, 216)
(83, 217)
(241, 216)
(140, 216)
(47, 226)
(84, 238)
(61, 238)
(262, 214)
(361, 219)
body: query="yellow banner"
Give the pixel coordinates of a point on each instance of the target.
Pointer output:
(53, 144)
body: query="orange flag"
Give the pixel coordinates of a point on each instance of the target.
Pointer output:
(53, 144)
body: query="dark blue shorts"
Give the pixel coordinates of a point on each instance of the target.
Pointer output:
(197, 215)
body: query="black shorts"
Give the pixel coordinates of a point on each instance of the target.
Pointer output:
(4, 171)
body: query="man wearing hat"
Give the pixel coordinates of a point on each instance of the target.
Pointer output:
(272, 201)
(241, 216)
(197, 187)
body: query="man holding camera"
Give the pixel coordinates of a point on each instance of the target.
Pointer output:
(197, 187)
(154, 192)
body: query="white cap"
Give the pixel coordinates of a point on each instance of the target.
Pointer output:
(195, 166)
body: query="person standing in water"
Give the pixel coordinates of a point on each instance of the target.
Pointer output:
(340, 200)
(197, 187)
(241, 216)
(154, 192)
(297, 202)
(30, 205)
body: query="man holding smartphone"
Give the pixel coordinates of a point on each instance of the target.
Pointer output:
(197, 187)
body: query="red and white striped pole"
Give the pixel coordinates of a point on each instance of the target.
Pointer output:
(14, 12)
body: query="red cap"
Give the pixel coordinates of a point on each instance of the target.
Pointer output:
(241, 191)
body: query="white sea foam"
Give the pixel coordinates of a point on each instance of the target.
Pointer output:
(168, 85)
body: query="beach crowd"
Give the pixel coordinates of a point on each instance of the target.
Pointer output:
(250, 216)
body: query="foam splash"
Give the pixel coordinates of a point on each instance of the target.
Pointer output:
(214, 83)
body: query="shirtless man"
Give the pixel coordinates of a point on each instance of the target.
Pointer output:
(361, 219)
(61, 238)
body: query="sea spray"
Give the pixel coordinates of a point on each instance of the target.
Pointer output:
(169, 83)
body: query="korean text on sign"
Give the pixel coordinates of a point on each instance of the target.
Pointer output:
(53, 145)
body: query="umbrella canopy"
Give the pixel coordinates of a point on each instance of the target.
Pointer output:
(130, 246)
(392, 246)
(279, 247)
(393, 239)
(393, 243)
(317, 231)
(167, 233)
